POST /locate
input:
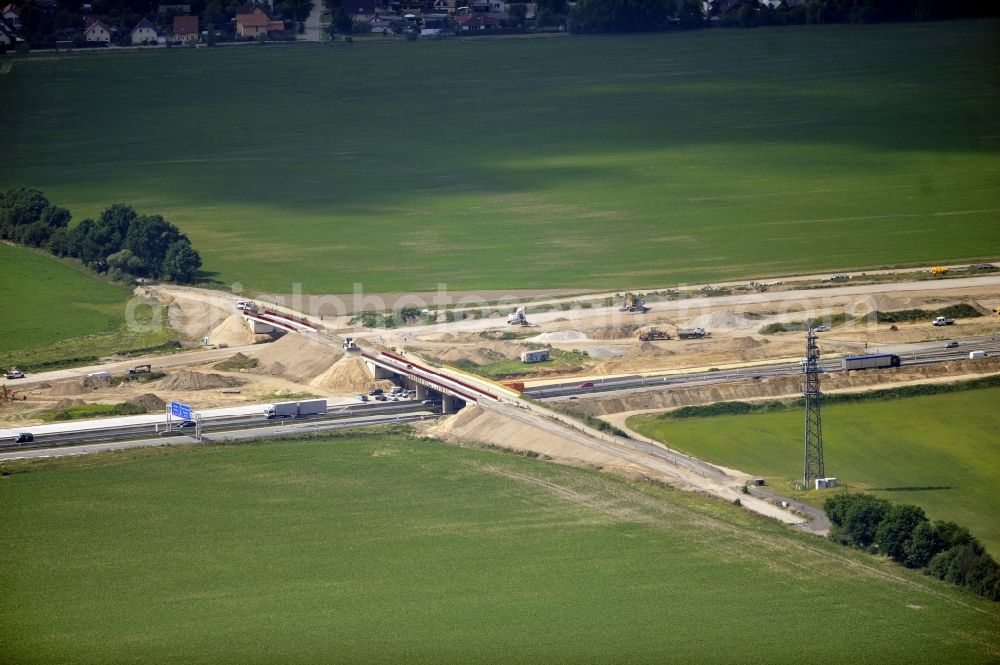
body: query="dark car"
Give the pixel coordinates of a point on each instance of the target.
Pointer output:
(376, 391)
(24, 437)
(586, 384)
(431, 402)
(380, 397)
(188, 423)
(951, 345)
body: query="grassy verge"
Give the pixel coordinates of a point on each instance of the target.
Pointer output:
(385, 548)
(91, 411)
(936, 451)
(559, 362)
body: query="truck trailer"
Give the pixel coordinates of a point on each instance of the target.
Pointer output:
(873, 361)
(693, 333)
(295, 409)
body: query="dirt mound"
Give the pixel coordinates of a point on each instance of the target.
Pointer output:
(77, 386)
(613, 332)
(232, 332)
(474, 355)
(67, 403)
(604, 352)
(237, 362)
(297, 358)
(745, 343)
(349, 374)
(149, 401)
(198, 381)
(558, 336)
(650, 349)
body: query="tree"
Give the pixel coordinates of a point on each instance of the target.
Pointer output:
(181, 262)
(35, 234)
(56, 217)
(149, 237)
(896, 530)
(127, 262)
(516, 14)
(20, 206)
(924, 543)
(862, 518)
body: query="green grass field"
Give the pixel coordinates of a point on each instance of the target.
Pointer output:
(383, 548)
(55, 312)
(565, 162)
(938, 451)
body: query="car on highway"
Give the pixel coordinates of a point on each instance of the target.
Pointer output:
(586, 384)
(381, 398)
(362, 398)
(24, 437)
(376, 391)
(188, 423)
(431, 402)
(951, 345)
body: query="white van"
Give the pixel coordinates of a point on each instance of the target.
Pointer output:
(974, 355)
(241, 305)
(99, 375)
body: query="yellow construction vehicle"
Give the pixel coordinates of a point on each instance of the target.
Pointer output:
(633, 304)
(937, 271)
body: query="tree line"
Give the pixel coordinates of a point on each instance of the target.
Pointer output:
(120, 243)
(903, 533)
(659, 15)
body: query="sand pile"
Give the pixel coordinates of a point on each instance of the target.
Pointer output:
(475, 355)
(149, 401)
(745, 343)
(198, 381)
(558, 336)
(725, 321)
(232, 332)
(78, 386)
(349, 374)
(297, 358)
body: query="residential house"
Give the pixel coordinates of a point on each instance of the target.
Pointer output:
(144, 32)
(381, 25)
(185, 29)
(478, 21)
(449, 6)
(97, 33)
(256, 22)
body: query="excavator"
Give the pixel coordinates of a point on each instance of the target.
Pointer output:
(517, 318)
(633, 304)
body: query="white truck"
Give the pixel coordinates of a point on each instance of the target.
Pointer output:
(942, 321)
(295, 409)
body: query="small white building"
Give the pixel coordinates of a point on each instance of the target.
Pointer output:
(826, 483)
(536, 356)
(97, 33)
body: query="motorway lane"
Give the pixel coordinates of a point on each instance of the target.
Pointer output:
(288, 429)
(921, 353)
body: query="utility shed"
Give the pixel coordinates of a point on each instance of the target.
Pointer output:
(535, 356)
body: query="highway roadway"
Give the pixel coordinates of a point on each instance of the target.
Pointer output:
(921, 353)
(260, 430)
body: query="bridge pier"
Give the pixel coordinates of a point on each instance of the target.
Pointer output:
(451, 404)
(421, 391)
(379, 372)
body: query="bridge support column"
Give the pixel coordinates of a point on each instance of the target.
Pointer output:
(421, 391)
(379, 372)
(450, 404)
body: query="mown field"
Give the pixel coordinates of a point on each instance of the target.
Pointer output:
(564, 162)
(55, 312)
(384, 548)
(936, 451)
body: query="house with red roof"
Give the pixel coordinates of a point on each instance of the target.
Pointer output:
(478, 21)
(256, 22)
(185, 29)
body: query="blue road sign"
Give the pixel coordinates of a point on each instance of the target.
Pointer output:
(180, 410)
